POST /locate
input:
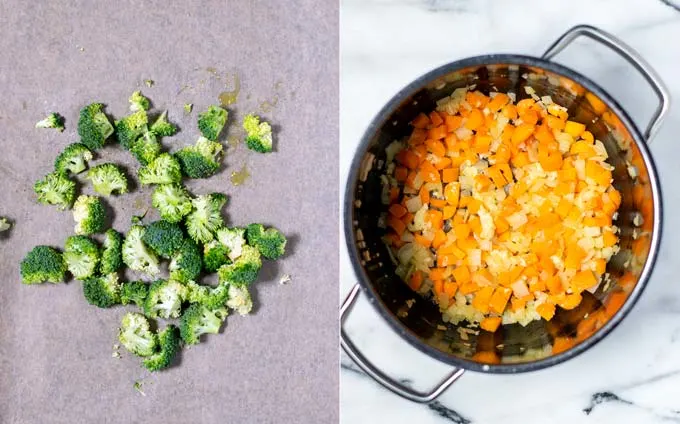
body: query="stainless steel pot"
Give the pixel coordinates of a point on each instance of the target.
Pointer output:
(512, 348)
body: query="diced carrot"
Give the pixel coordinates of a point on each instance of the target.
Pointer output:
(522, 133)
(437, 203)
(407, 158)
(407, 218)
(436, 133)
(398, 226)
(517, 304)
(574, 256)
(442, 163)
(490, 324)
(453, 122)
(436, 147)
(449, 175)
(482, 298)
(450, 288)
(529, 117)
(482, 143)
(475, 225)
(609, 238)
(554, 122)
(562, 344)
(468, 288)
(510, 112)
(435, 218)
(418, 136)
(482, 182)
(416, 281)
(501, 225)
(445, 260)
(400, 174)
(429, 173)
(461, 274)
(587, 136)
(500, 100)
(546, 310)
(438, 273)
(394, 194)
(563, 208)
(524, 105)
(436, 119)
(499, 299)
(439, 239)
(583, 280)
(574, 128)
(397, 210)
(474, 120)
(544, 135)
(476, 99)
(550, 161)
(537, 285)
(424, 195)
(571, 301)
(452, 193)
(421, 121)
(438, 287)
(614, 302)
(422, 240)
(448, 212)
(494, 172)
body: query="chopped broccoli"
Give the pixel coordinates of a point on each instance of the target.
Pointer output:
(188, 107)
(103, 291)
(134, 291)
(162, 127)
(56, 189)
(211, 122)
(214, 255)
(88, 212)
(138, 102)
(239, 299)
(165, 299)
(136, 335)
(146, 148)
(4, 224)
(198, 320)
(186, 264)
(163, 170)
(206, 216)
(234, 239)
(172, 201)
(131, 127)
(149, 82)
(93, 126)
(53, 120)
(210, 297)
(270, 242)
(165, 238)
(244, 269)
(200, 160)
(112, 258)
(197, 293)
(81, 256)
(107, 178)
(136, 255)
(169, 342)
(73, 159)
(258, 134)
(43, 264)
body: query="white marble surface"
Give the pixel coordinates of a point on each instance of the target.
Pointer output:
(387, 43)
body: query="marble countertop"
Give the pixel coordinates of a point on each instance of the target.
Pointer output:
(633, 375)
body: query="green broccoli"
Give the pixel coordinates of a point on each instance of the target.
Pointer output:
(73, 159)
(4, 224)
(270, 242)
(172, 201)
(136, 336)
(244, 269)
(162, 127)
(165, 298)
(138, 102)
(234, 239)
(210, 297)
(134, 291)
(146, 148)
(163, 170)
(169, 342)
(43, 264)
(93, 126)
(81, 256)
(206, 216)
(211, 122)
(201, 160)
(239, 299)
(186, 263)
(136, 255)
(112, 259)
(107, 178)
(89, 215)
(56, 189)
(103, 291)
(198, 320)
(258, 134)
(214, 255)
(165, 238)
(197, 293)
(131, 127)
(53, 120)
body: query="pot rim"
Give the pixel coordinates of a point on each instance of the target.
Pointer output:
(388, 109)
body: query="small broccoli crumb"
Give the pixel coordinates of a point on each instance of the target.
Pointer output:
(138, 387)
(188, 107)
(4, 224)
(212, 121)
(162, 127)
(285, 279)
(138, 102)
(53, 120)
(149, 82)
(258, 134)
(270, 242)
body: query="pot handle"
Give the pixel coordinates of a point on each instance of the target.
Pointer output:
(627, 53)
(378, 375)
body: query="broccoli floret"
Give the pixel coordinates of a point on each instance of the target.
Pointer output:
(198, 320)
(163, 170)
(165, 238)
(4, 224)
(93, 126)
(53, 120)
(107, 178)
(88, 212)
(206, 216)
(136, 255)
(134, 291)
(130, 128)
(197, 293)
(165, 299)
(214, 255)
(135, 335)
(211, 122)
(270, 242)
(103, 291)
(73, 159)
(200, 160)
(43, 264)
(244, 269)
(169, 342)
(138, 102)
(239, 299)
(81, 255)
(172, 201)
(186, 264)
(112, 256)
(162, 127)
(56, 189)
(258, 134)
(210, 297)
(234, 239)
(146, 148)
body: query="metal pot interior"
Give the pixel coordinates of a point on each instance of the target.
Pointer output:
(511, 345)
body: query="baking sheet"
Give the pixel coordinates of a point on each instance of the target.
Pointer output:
(279, 365)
